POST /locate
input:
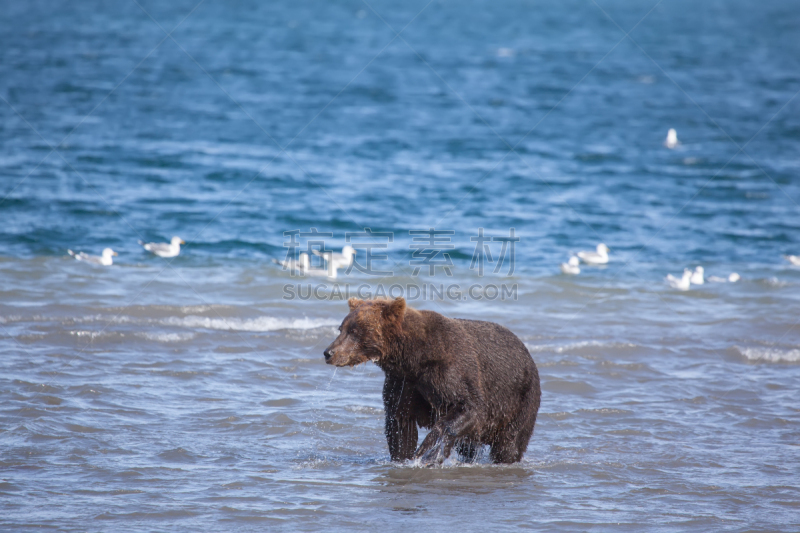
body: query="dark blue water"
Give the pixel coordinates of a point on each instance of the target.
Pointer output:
(188, 393)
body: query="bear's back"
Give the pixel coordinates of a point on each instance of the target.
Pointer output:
(482, 352)
(509, 377)
(498, 349)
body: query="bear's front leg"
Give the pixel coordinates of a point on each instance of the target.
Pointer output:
(445, 432)
(401, 423)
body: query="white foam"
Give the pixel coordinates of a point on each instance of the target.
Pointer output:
(168, 337)
(187, 309)
(561, 348)
(91, 334)
(770, 355)
(265, 323)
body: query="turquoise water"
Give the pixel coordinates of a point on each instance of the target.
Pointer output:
(183, 393)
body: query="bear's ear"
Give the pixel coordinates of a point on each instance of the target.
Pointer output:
(395, 310)
(354, 303)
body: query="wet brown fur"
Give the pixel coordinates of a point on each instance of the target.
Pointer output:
(470, 382)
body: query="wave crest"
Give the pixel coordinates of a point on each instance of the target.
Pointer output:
(769, 355)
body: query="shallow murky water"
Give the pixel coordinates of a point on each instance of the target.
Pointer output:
(153, 416)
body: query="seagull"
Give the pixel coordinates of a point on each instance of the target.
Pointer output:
(163, 249)
(571, 267)
(300, 265)
(104, 259)
(339, 260)
(681, 284)
(697, 276)
(734, 277)
(600, 257)
(793, 259)
(672, 139)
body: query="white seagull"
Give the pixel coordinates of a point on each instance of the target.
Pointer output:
(697, 276)
(672, 139)
(683, 283)
(105, 259)
(734, 277)
(600, 257)
(164, 249)
(300, 265)
(338, 260)
(571, 267)
(793, 259)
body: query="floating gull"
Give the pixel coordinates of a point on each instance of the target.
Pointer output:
(672, 139)
(681, 284)
(697, 276)
(300, 265)
(164, 249)
(105, 259)
(734, 277)
(600, 257)
(571, 267)
(338, 260)
(793, 259)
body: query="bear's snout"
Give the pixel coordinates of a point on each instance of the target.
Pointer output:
(345, 351)
(332, 354)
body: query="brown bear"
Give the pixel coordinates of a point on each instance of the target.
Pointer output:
(470, 382)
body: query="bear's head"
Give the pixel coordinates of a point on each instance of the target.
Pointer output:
(367, 333)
